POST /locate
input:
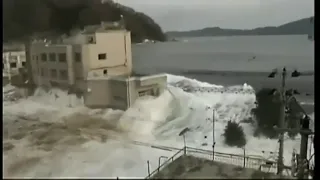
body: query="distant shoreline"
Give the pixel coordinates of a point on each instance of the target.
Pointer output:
(300, 27)
(176, 38)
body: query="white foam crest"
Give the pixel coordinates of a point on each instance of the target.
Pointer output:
(307, 103)
(146, 114)
(194, 114)
(171, 79)
(228, 106)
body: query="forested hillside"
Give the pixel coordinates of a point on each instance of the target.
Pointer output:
(22, 18)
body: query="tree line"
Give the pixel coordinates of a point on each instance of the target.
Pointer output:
(24, 18)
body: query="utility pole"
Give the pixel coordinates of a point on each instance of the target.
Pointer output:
(30, 82)
(282, 121)
(213, 127)
(303, 145)
(305, 121)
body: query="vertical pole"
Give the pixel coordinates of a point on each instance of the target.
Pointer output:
(310, 146)
(281, 123)
(8, 65)
(244, 157)
(303, 155)
(148, 168)
(184, 145)
(213, 138)
(28, 45)
(303, 148)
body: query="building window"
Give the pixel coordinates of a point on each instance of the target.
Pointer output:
(102, 56)
(43, 72)
(54, 73)
(43, 57)
(145, 93)
(105, 72)
(13, 65)
(52, 57)
(91, 40)
(62, 57)
(77, 57)
(63, 74)
(23, 63)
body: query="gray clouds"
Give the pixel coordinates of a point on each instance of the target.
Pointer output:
(242, 14)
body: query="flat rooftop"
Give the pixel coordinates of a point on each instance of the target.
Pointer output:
(126, 78)
(191, 167)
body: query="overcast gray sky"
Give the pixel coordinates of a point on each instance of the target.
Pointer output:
(242, 14)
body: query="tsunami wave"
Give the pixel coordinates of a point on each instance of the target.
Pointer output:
(51, 134)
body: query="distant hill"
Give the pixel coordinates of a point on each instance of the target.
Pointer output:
(24, 18)
(302, 26)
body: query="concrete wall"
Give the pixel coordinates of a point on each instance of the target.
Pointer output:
(116, 46)
(97, 94)
(122, 92)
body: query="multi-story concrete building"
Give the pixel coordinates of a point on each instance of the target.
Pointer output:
(97, 63)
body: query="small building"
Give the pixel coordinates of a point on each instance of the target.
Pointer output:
(12, 61)
(97, 63)
(120, 92)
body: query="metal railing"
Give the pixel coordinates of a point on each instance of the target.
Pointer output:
(233, 159)
(168, 161)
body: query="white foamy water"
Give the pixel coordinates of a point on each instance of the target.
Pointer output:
(51, 134)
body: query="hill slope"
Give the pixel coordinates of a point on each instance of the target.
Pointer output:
(302, 26)
(23, 18)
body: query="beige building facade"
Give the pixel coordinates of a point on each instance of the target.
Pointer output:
(121, 92)
(12, 61)
(98, 64)
(95, 54)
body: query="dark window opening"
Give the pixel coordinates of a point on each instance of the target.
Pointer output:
(54, 73)
(91, 40)
(63, 74)
(23, 64)
(145, 93)
(105, 72)
(13, 65)
(42, 72)
(52, 57)
(102, 56)
(77, 57)
(44, 57)
(62, 57)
